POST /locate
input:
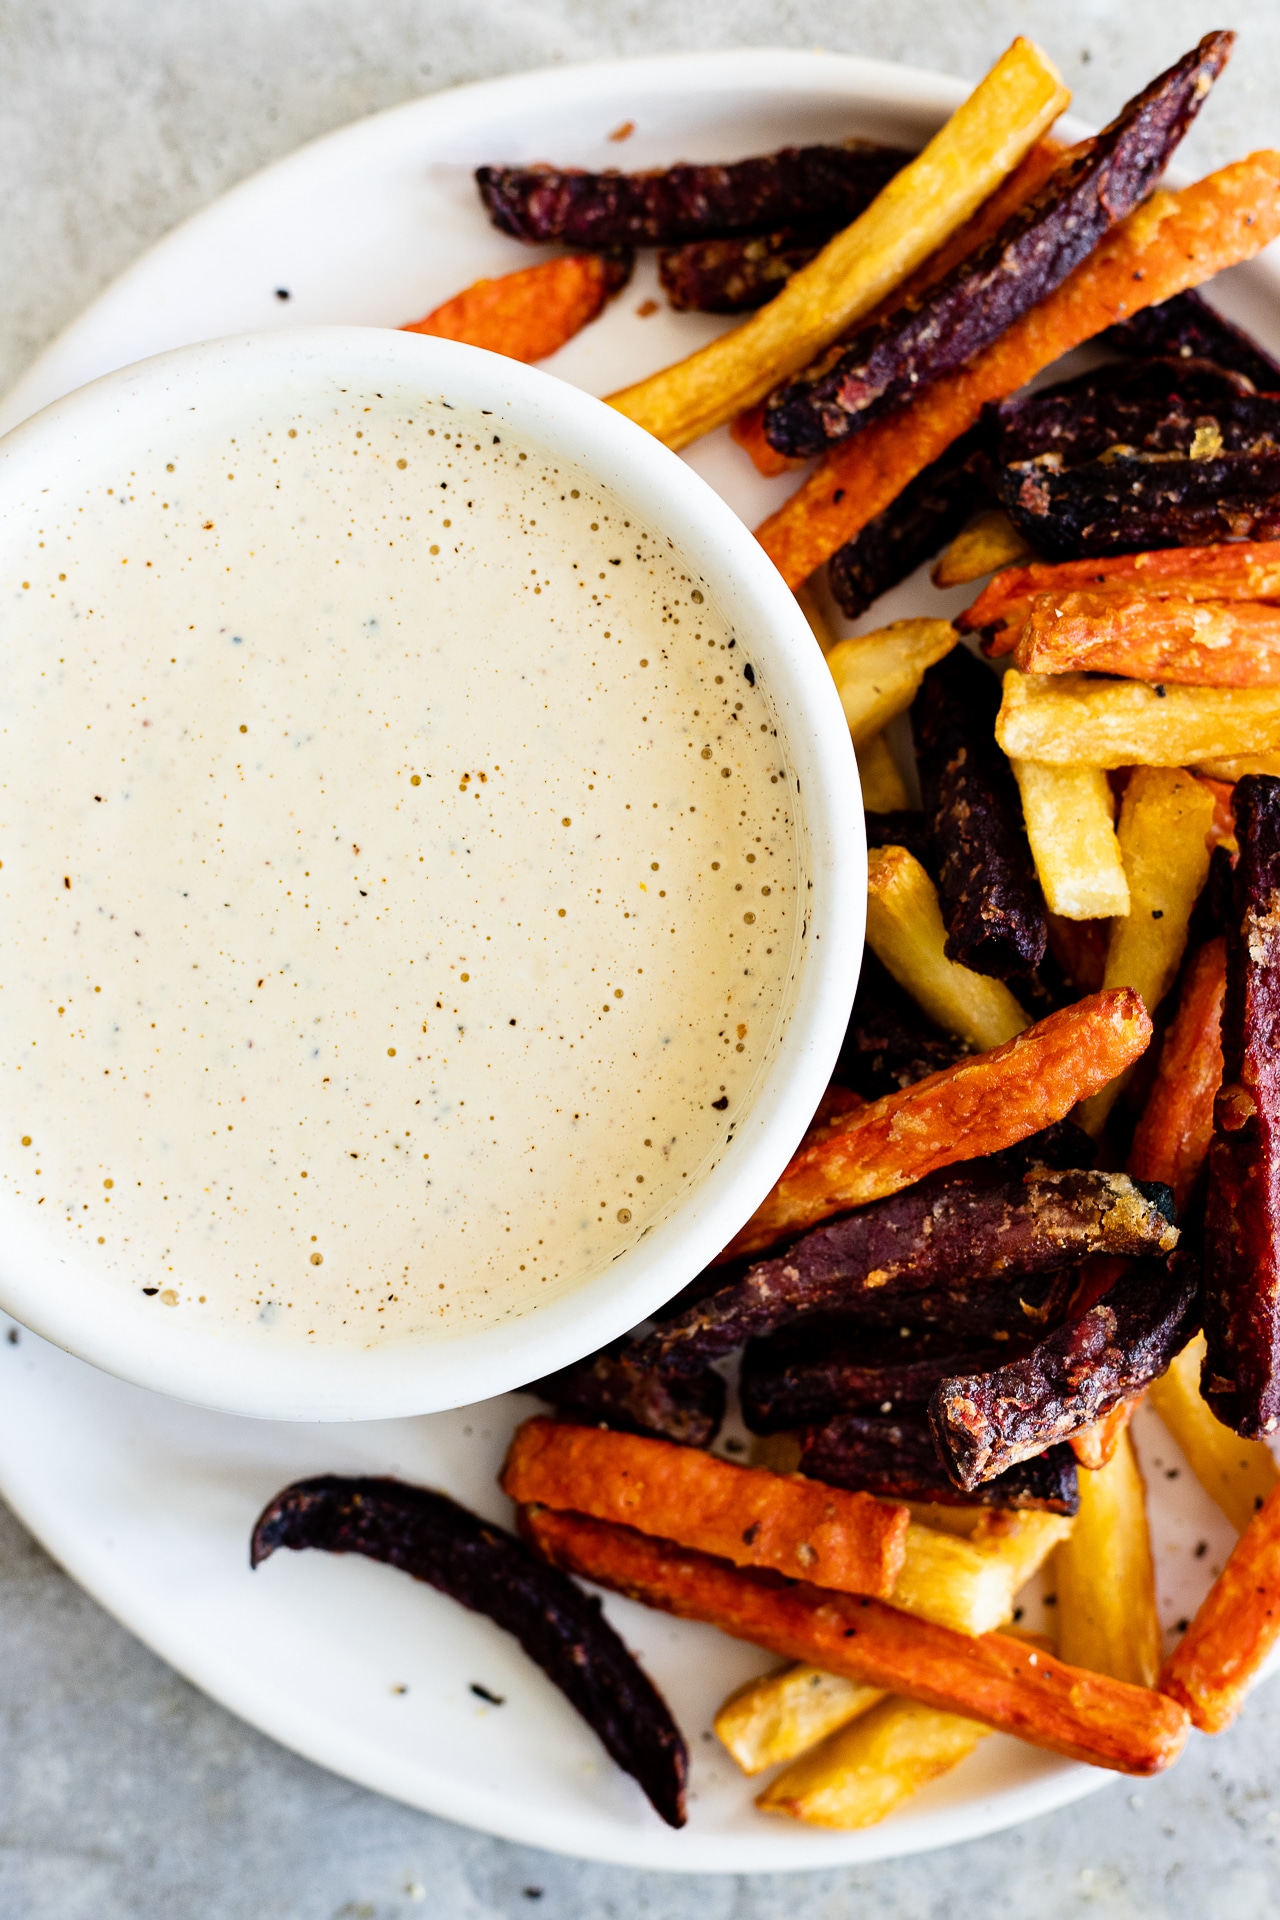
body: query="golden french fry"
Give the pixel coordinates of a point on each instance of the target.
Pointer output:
(984, 546)
(784, 1714)
(969, 1584)
(1238, 1474)
(1069, 719)
(905, 931)
(1236, 769)
(964, 162)
(883, 788)
(1068, 811)
(1164, 819)
(878, 675)
(1107, 1618)
(861, 1774)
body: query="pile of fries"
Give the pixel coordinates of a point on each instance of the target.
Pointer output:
(1046, 1180)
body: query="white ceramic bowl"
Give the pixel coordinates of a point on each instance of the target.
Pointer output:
(113, 1326)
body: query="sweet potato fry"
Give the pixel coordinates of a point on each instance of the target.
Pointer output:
(905, 931)
(529, 314)
(1171, 1142)
(985, 545)
(1238, 1474)
(785, 1713)
(860, 1774)
(1067, 719)
(744, 1514)
(1193, 643)
(1105, 1578)
(1222, 1651)
(992, 1678)
(877, 675)
(934, 193)
(1068, 815)
(1242, 1218)
(978, 1106)
(883, 788)
(1173, 242)
(1243, 570)
(1164, 822)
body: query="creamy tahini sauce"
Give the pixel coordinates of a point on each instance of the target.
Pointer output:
(399, 872)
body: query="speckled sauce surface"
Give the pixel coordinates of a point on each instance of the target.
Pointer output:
(399, 873)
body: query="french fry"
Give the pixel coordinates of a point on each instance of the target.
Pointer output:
(878, 675)
(1193, 643)
(883, 788)
(1165, 817)
(905, 931)
(1219, 1656)
(1068, 813)
(529, 314)
(965, 161)
(969, 1585)
(775, 1718)
(984, 1103)
(1229, 771)
(1068, 720)
(1238, 1474)
(985, 545)
(1173, 242)
(991, 1677)
(1240, 570)
(1172, 1138)
(798, 1527)
(1105, 1578)
(859, 1775)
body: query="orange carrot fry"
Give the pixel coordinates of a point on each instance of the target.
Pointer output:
(989, 1101)
(1173, 1135)
(529, 314)
(1173, 242)
(755, 1518)
(1210, 1670)
(1195, 643)
(1224, 813)
(1242, 570)
(1093, 1446)
(1027, 178)
(990, 1677)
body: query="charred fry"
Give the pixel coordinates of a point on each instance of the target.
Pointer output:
(979, 1106)
(1188, 328)
(991, 899)
(808, 1374)
(896, 1457)
(985, 1423)
(992, 1677)
(1173, 242)
(614, 1387)
(1092, 188)
(905, 931)
(1224, 1648)
(530, 314)
(1242, 1225)
(745, 1514)
(561, 1628)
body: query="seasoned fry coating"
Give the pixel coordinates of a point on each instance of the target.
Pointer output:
(1242, 1217)
(1068, 719)
(979, 1106)
(992, 1678)
(984, 1423)
(991, 899)
(1194, 643)
(1188, 328)
(1223, 1650)
(1105, 1578)
(859, 1775)
(905, 931)
(1173, 242)
(530, 314)
(1171, 1142)
(785, 1713)
(918, 209)
(1068, 816)
(482, 1567)
(986, 544)
(745, 1514)
(897, 1458)
(1093, 187)
(877, 674)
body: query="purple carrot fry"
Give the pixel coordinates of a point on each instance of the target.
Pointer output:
(895, 1457)
(1188, 328)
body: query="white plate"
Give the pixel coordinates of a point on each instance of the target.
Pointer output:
(148, 1503)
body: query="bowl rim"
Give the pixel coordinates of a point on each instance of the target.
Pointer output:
(121, 1332)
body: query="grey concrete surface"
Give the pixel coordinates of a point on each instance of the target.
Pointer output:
(124, 1795)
